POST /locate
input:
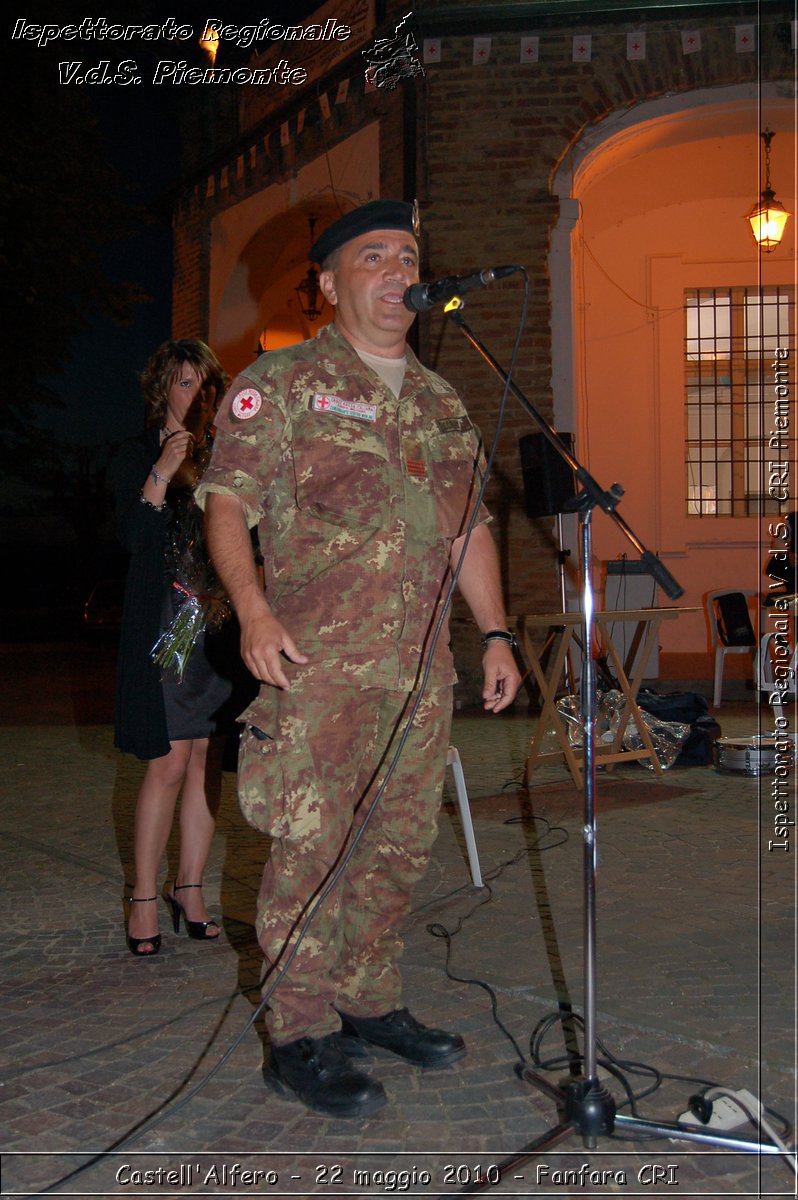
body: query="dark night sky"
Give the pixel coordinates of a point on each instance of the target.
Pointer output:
(99, 387)
(52, 563)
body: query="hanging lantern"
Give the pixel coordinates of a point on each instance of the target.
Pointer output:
(768, 217)
(308, 291)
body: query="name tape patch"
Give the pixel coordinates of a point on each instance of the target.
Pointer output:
(453, 424)
(326, 403)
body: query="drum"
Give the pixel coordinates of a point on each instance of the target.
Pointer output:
(746, 756)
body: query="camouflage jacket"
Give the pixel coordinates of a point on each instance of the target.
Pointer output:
(357, 496)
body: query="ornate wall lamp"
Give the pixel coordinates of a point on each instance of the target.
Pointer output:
(308, 292)
(768, 217)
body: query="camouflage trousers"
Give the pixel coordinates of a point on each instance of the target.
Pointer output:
(311, 761)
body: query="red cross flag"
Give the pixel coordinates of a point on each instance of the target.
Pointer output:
(432, 50)
(635, 45)
(582, 51)
(530, 49)
(691, 41)
(744, 38)
(481, 51)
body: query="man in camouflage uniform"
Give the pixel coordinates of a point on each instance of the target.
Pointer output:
(360, 468)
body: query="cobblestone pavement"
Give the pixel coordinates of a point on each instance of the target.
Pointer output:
(146, 1078)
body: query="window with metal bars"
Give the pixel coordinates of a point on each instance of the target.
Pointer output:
(739, 389)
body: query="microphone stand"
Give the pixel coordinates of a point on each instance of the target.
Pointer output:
(584, 1105)
(562, 558)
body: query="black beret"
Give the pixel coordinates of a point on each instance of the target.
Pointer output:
(377, 214)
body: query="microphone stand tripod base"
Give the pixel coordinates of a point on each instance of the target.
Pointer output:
(585, 1105)
(588, 1109)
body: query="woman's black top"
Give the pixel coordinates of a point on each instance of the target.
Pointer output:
(151, 711)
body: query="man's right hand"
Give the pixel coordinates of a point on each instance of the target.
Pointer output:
(263, 642)
(263, 639)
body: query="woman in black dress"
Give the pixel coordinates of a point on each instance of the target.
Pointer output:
(170, 719)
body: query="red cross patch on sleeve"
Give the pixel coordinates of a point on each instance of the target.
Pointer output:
(246, 403)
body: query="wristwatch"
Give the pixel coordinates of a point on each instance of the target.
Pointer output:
(499, 635)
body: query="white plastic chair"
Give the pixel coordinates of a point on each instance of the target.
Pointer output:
(765, 675)
(453, 761)
(719, 648)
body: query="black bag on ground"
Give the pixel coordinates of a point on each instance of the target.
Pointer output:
(699, 749)
(686, 707)
(689, 708)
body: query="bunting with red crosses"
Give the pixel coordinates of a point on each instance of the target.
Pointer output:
(481, 51)
(745, 38)
(635, 46)
(432, 52)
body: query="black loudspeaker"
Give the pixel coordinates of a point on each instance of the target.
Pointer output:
(548, 479)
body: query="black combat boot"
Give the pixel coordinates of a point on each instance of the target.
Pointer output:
(318, 1073)
(402, 1034)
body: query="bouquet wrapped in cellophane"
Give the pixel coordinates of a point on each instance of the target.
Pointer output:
(204, 603)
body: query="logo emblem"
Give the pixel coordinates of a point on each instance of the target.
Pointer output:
(246, 404)
(324, 402)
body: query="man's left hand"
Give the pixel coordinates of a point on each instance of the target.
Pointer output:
(502, 678)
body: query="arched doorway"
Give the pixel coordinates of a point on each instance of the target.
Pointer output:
(259, 247)
(652, 204)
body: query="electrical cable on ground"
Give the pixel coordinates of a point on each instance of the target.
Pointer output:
(438, 930)
(147, 1032)
(614, 1066)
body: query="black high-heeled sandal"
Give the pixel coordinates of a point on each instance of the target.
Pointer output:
(195, 929)
(134, 943)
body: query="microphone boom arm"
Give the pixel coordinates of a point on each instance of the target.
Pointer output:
(421, 297)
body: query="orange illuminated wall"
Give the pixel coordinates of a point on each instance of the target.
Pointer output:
(661, 207)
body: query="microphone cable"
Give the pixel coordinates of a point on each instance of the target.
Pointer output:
(315, 901)
(346, 852)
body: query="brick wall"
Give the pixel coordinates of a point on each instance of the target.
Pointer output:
(487, 140)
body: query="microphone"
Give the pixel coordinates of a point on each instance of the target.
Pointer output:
(420, 297)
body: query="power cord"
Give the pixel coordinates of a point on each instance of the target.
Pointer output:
(327, 886)
(438, 930)
(165, 1108)
(147, 1032)
(743, 1104)
(700, 1105)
